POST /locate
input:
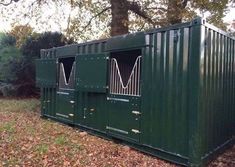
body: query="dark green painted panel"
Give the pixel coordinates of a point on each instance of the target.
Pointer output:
(216, 90)
(91, 72)
(46, 74)
(65, 105)
(187, 92)
(164, 91)
(136, 40)
(67, 51)
(48, 101)
(88, 111)
(194, 114)
(124, 117)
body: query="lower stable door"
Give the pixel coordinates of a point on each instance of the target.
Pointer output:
(65, 106)
(124, 117)
(93, 110)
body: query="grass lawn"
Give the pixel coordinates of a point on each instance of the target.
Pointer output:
(28, 140)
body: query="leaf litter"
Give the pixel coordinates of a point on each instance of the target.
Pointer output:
(28, 140)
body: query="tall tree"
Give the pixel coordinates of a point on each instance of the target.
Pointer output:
(119, 23)
(99, 18)
(21, 32)
(6, 3)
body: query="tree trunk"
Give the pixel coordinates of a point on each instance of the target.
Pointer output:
(119, 23)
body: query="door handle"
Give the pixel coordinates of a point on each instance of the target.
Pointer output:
(72, 102)
(71, 115)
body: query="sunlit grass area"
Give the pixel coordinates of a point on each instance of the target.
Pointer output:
(16, 105)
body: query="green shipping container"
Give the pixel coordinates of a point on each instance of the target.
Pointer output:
(169, 91)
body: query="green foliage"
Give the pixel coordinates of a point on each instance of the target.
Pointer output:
(7, 40)
(8, 55)
(33, 45)
(17, 67)
(25, 75)
(216, 10)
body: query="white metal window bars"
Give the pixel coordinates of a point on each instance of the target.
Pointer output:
(63, 83)
(132, 88)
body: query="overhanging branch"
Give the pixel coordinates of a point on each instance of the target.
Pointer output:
(136, 8)
(184, 3)
(96, 15)
(8, 3)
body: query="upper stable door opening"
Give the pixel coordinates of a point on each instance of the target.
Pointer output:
(66, 73)
(125, 70)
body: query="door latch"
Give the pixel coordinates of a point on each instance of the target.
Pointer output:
(136, 112)
(135, 131)
(71, 115)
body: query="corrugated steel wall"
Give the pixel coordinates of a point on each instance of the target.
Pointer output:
(48, 100)
(164, 90)
(48, 94)
(217, 88)
(187, 90)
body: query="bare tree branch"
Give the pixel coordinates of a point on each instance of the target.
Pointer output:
(8, 3)
(157, 8)
(184, 3)
(96, 15)
(136, 8)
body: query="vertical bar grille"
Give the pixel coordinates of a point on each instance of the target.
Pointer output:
(132, 88)
(63, 83)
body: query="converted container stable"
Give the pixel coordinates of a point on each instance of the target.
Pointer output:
(169, 92)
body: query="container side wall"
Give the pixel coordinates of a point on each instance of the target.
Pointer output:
(217, 88)
(164, 89)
